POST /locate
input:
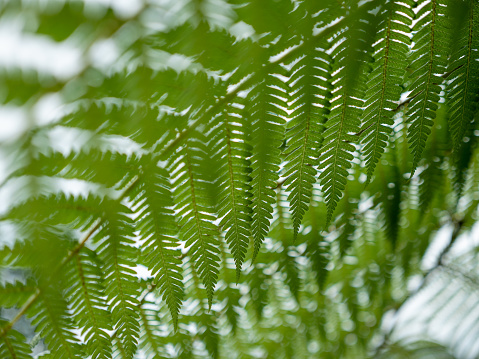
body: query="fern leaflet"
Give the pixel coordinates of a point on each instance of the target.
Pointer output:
(385, 80)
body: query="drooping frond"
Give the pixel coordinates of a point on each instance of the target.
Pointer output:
(14, 345)
(102, 167)
(195, 208)
(16, 293)
(54, 324)
(385, 80)
(433, 176)
(232, 177)
(266, 131)
(88, 304)
(117, 253)
(343, 121)
(150, 341)
(428, 63)
(463, 87)
(310, 94)
(153, 203)
(143, 146)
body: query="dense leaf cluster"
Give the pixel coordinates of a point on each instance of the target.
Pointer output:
(257, 178)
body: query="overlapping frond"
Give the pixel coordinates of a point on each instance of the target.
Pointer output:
(118, 254)
(384, 86)
(266, 133)
(310, 89)
(153, 203)
(463, 87)
(89, 307)
(54, 324)
(14, 345)
(428, 62)
(185, 130)
(232, 178)
(195, 208)
(337, 149)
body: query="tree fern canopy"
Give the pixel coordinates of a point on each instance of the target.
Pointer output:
(238, 178)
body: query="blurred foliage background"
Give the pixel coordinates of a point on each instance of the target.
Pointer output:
(239, 179)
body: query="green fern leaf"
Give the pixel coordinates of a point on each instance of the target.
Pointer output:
(15, 294)
(266, 138)
(258, 287)
(153, 203)
(385, 80)
(13, 345)
(428, 61)
(233, 180)
(345, 223)
(310, 92)
(53, 322)
(343, 122)
(196, 210)
(102, 167)
(337, 151)
(291, 270)
(463, 89)
(88, 304)
(209, 333)
(150, 342)
(433, 176)
(117, 252)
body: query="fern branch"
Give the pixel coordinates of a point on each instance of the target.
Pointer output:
(233, 180)
(196, 211)
(267, 100)
(428, 59)
(385, 80)
(153, 202)
(67, 259)
(310, 90)
(463, 90)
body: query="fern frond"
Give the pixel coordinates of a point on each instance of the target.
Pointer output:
(349, 79)
(428, 61)
(153, 203)
(14, 345)
(15, 294)
(337, 151)
(463, 89)
(118, 254)
(291, 270)
(385, 80)
(195, 208)
(59, 210)
(206, 319)
(233, 182)
(286, 260)
(102, 167)
(390, 182)
(53, 322)
(86, 295)
(310, 89)
(345, 224)
(267, 129)
(318, 255)
(149, 340)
